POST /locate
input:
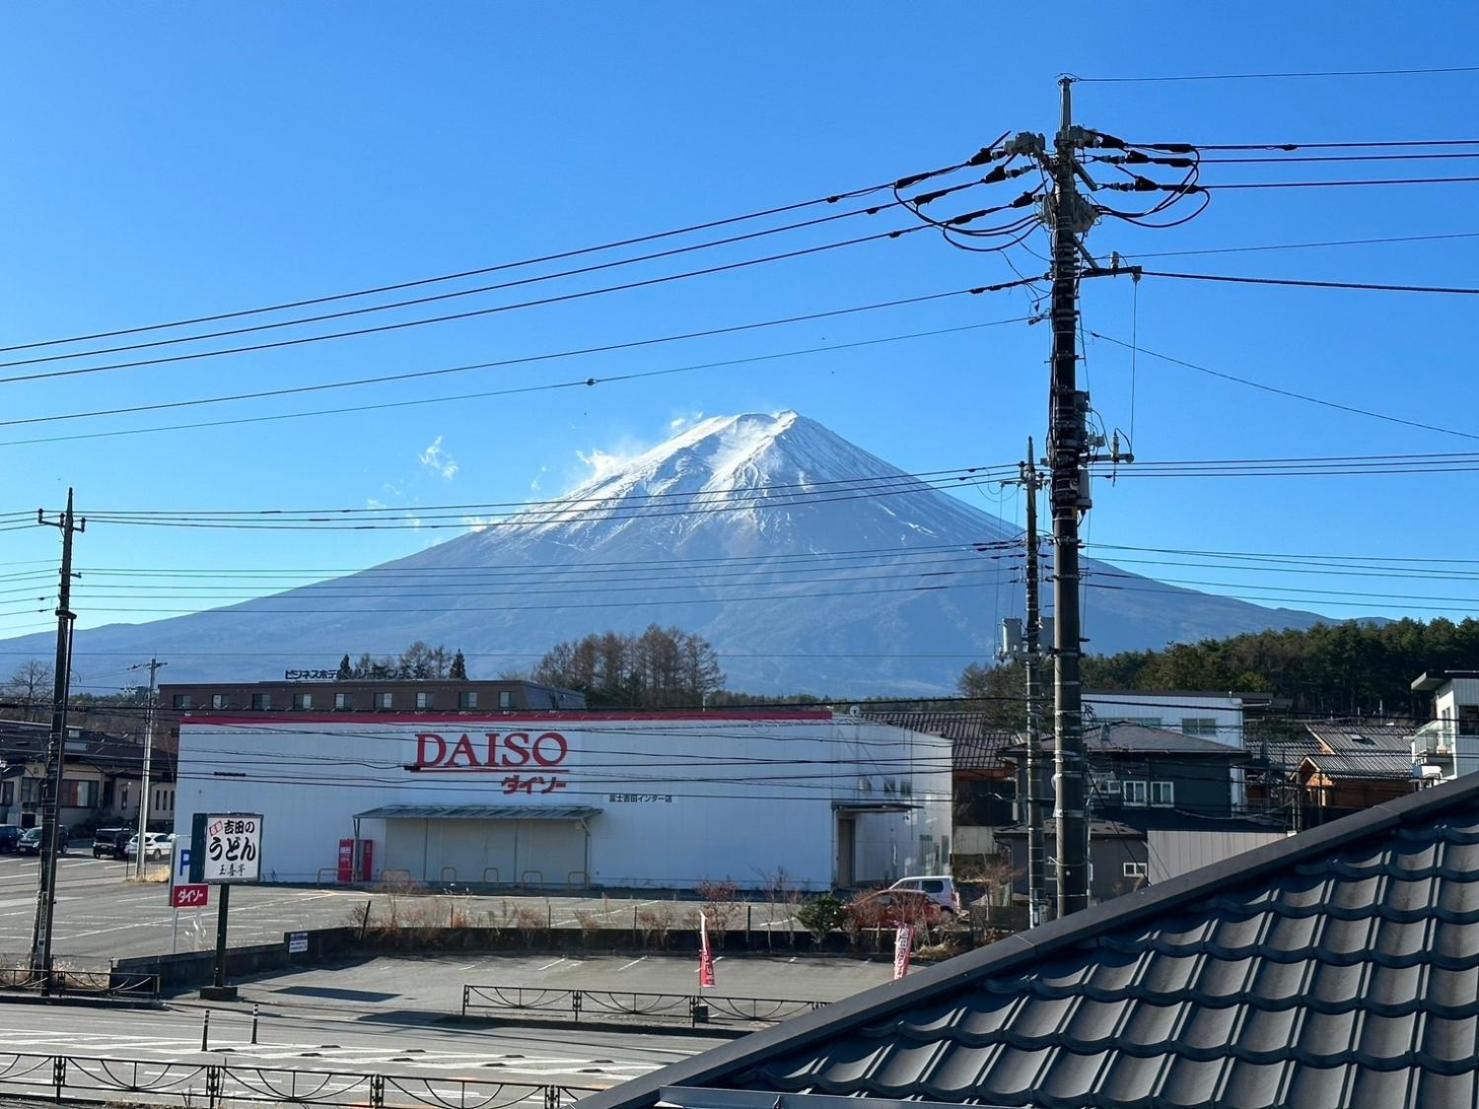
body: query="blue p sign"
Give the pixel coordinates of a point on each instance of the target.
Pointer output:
(183, 855)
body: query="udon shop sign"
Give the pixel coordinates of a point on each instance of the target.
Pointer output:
(528, 762)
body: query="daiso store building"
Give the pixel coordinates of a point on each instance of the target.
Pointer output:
(576, 800)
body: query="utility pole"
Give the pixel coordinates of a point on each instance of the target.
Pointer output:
(51, 788)
(1037, 900)
(152, 666)
(1068, 455)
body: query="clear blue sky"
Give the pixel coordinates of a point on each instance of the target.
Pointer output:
(167, 160)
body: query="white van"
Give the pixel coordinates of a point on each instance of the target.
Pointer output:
(939, 888)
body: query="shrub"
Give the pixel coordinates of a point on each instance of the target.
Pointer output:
(819, 916)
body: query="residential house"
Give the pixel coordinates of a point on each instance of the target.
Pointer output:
(101, 779)
(1332, 968)
(1160, 803)
(1353, 767)
(1449, 744)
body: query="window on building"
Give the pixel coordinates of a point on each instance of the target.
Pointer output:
(122, 796)
(467, 699)
(1110, 786)
(1135, 793)
(218, 700)
(183, 701)
(341, 701)
(261, 700)
(79, 794)
(1163, 793)
(1134, 870)
(7, 793)
(505, 699)
(1199, 725)
(302, 700)
(383, 700)
(1468, 720)
(423, 699)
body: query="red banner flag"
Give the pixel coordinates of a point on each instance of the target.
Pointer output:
(705, 955)
(903, 946)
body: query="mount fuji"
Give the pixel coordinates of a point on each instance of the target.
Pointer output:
(810, 564)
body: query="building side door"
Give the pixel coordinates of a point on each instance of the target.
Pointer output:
(847, 850)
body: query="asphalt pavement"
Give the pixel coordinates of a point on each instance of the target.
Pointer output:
(395, 1015)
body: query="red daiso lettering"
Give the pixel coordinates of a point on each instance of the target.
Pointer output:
(424, 748)
(546, 744)
(463, 749)
(515, 749)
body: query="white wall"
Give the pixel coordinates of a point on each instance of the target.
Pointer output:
(722, 796)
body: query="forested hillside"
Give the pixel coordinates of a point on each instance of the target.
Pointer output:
(1340, 669)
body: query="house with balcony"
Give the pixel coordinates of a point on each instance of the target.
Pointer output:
(1448, 745)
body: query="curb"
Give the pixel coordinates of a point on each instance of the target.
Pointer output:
(708, 1030)
(82, 1002)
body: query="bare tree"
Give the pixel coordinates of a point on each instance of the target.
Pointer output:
(30, 685)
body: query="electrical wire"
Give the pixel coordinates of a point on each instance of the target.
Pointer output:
(1287, 75)
(903, 182)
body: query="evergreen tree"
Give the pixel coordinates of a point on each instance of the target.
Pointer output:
(346, 671)
(459, 668)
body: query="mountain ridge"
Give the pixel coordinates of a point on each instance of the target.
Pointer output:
(811, 564)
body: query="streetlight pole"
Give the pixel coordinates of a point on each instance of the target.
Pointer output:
(152, 666)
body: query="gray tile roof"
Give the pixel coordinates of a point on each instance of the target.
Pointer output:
(1336, 968)
(976, 742)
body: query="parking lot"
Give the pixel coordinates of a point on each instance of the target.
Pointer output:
(100, 912)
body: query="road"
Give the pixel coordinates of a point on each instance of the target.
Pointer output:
(100, 913)
(392, 1016)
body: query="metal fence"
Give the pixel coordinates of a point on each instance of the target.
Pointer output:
(73, 976)
(212, 1085)
(697, 1008)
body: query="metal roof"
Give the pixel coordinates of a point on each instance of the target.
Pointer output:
(1355, 751)
(1334, 968)
(478, 812)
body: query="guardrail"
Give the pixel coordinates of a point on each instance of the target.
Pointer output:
(212, 1085)
(698, 1008)
(74, 976)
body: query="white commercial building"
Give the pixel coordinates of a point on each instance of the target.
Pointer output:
(560, 800)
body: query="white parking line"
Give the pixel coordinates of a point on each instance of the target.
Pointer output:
(633, 963)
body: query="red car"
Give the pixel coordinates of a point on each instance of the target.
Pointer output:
(891, 908)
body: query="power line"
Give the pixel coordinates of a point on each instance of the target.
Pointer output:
(1286, 75)
(1291, 394)
(1300, 283)
(537, 279)
(510, 391)
(904, 182)
(1300, 246)
(554, 356)
(474, 313)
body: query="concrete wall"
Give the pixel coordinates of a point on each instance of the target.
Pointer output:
(681, 798)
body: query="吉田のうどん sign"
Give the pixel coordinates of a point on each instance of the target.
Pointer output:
(229, 848)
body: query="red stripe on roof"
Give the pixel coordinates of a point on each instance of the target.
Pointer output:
(403, 719)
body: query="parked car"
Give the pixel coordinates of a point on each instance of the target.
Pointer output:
(892, 907)
(157, 845)
(938, 888)
(110, 843)
(10, 835)
(30, 841)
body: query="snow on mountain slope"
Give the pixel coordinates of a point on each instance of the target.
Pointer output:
(754, 531)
